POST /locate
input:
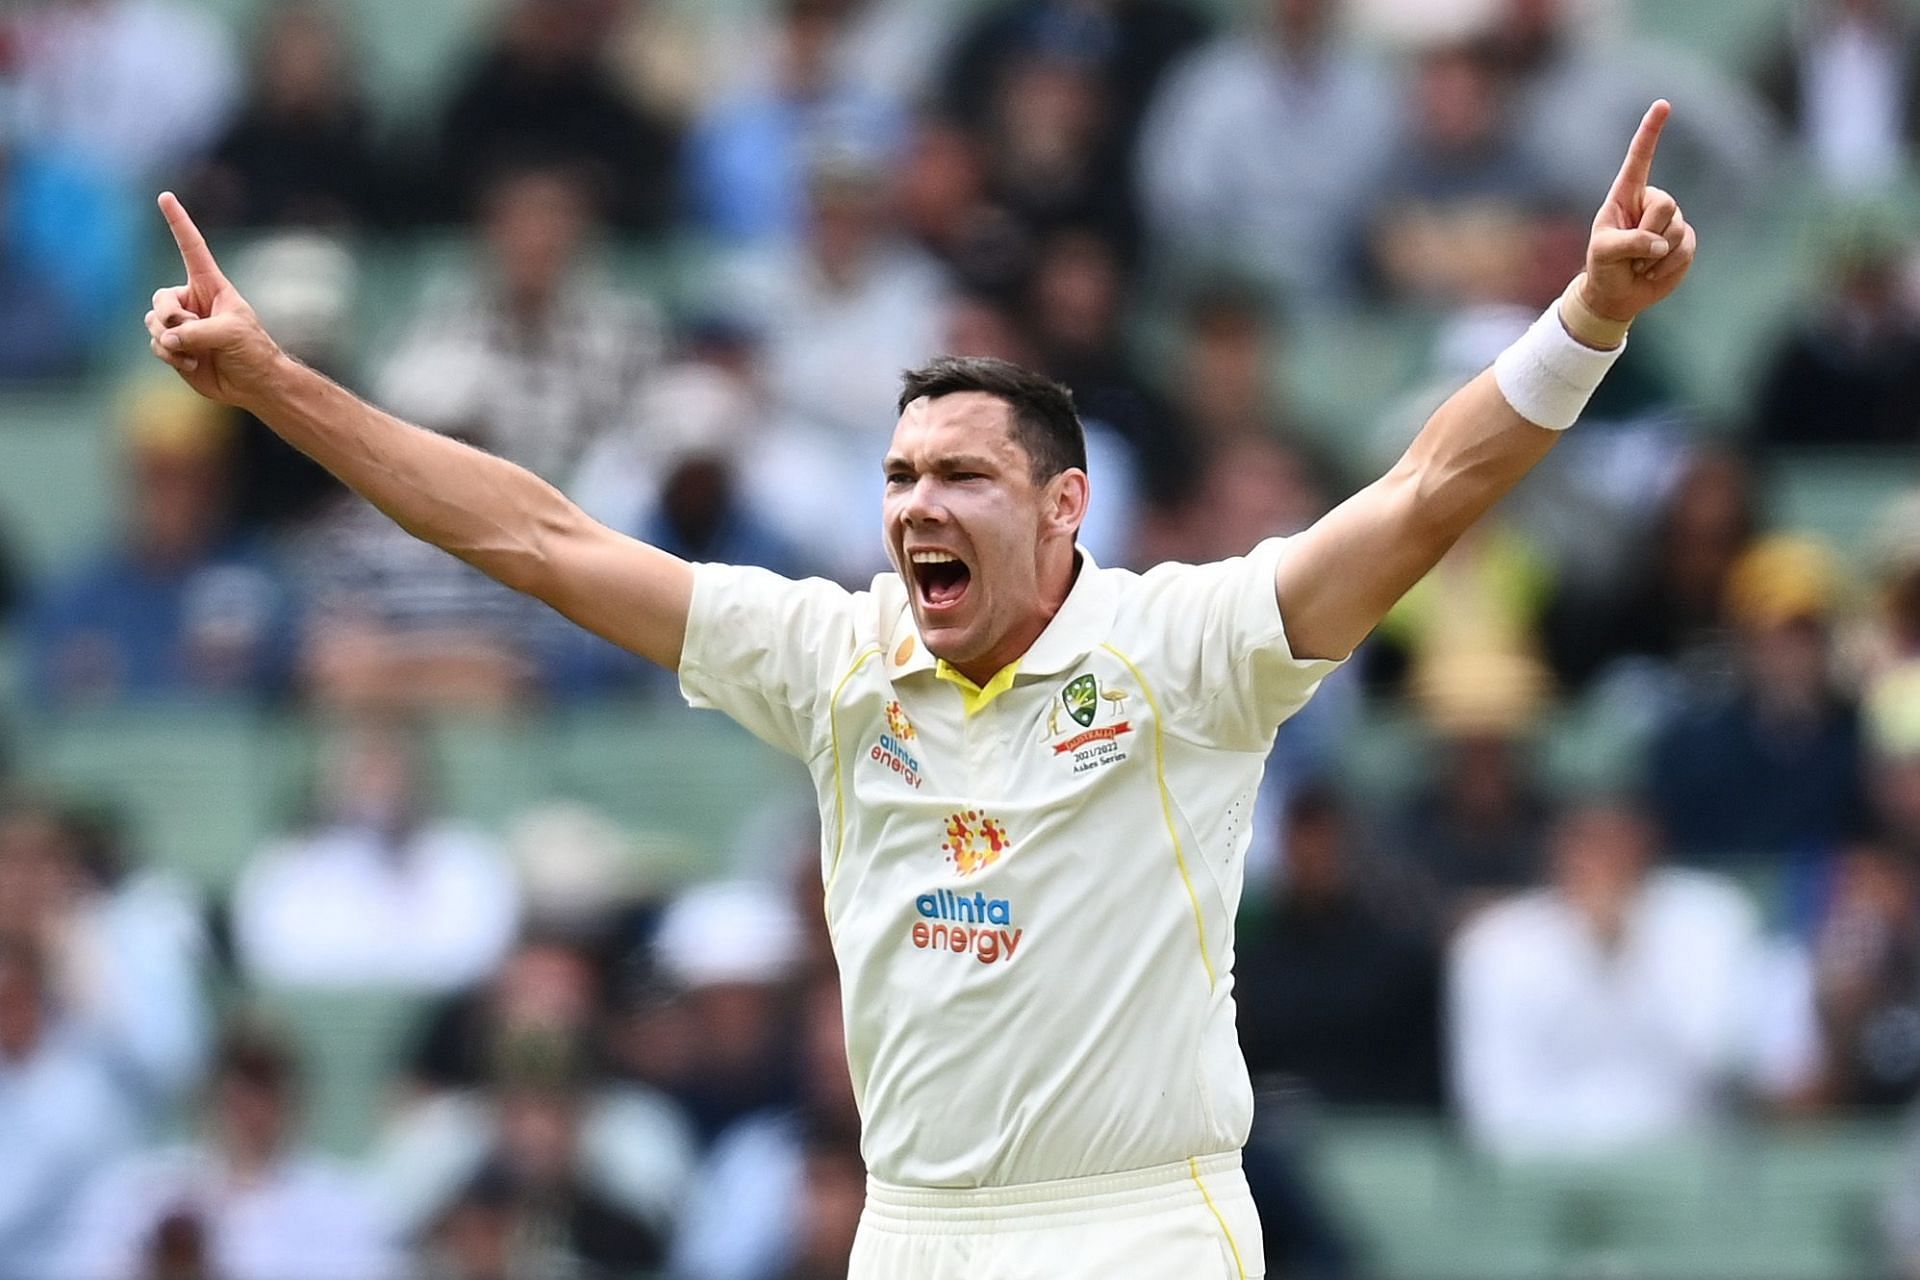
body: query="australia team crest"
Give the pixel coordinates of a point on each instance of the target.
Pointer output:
(1099, 713)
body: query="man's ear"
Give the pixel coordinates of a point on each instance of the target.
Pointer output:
(1070, 492)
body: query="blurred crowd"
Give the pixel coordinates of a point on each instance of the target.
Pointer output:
(1151, 201)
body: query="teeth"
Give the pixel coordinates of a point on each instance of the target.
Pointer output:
(934, 557)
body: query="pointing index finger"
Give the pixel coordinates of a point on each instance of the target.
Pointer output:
(1637, 169)
(201, 268)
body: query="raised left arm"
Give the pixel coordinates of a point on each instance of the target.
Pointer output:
(1345, 572)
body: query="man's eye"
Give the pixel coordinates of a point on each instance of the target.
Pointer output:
(899, 478)
(968, 475)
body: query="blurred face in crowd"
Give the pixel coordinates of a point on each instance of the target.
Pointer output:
(1708, 522)
(372, 779)
(40, 873)
(253, 1111)
(847, 216)
(807, 51)
(975, 536)
(977, 326)
(539, 1130)
(545, 987)
(1456, 100)
(1255, 488)
(23, 999)
(536, 227)
(833, 1191)
(179, 497)
(1224, 381)
(1600, 854)
(1788, 663)
(302, 68)
(1896, 797)
(942, 181)
(1303, 23)
(829, 1083)
(1077, 292)
(1051, 112)
(1316, 864)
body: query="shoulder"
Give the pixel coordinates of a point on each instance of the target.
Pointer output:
(1514, 927)
(1699, 899)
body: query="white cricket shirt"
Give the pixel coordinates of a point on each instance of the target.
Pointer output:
(1031, 887)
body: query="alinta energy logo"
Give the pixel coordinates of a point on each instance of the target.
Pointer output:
(891, 750)
(974, 841)
(979, 926)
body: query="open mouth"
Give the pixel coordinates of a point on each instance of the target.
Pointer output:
(941, 578)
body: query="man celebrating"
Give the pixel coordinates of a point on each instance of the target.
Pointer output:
(1035, 775)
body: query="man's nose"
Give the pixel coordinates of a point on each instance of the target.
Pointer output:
(923, 502)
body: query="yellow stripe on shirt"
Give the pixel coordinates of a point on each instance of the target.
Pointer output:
(1166, 809)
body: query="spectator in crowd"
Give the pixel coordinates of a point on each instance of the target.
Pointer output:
(547, 990)
(135, 88)
(1490, 593)
(300, 150)
(726, 955)
(1771, 765)
(63, 1113)
(747, 159)
(66, 254)
(1665, 626)
(1477, 824)
(1454, 199)
(304, 283)
(1282, 212)
(1850, 373)
(542, 92)
(248, 1201)
(1044, 135)
(1119, 51)
(587, 1176)
(177, 609)
(1867, 972)
(394, 625)
(536, 355)
(847, 310)
(124, 946)
(696, 425)
(792, 492)
(1077, 301)
(751, 1212)
(1615, 1007)
(1341, 986)
(382, 889)
(1845, 77)
(946, 208)
(1578, 91)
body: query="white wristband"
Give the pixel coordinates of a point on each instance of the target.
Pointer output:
(1548, 376)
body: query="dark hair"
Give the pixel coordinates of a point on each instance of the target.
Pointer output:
(1044, 420)
(255, 1052)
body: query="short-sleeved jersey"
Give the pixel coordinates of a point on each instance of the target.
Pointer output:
(1030, 887)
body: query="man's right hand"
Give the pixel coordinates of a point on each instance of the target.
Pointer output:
(204, 329)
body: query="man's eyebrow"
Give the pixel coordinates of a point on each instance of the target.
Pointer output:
(947, 462)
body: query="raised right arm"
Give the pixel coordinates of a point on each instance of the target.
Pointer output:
(502, 519)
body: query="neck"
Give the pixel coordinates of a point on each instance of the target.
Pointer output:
(1055, 586)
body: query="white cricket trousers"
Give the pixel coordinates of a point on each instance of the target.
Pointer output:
(1188, 1221)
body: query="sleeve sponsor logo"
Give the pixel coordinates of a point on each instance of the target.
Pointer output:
(891, 751)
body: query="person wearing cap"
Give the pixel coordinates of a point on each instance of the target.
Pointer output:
(1771, 765)
(175, 608)
(1036, 776)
